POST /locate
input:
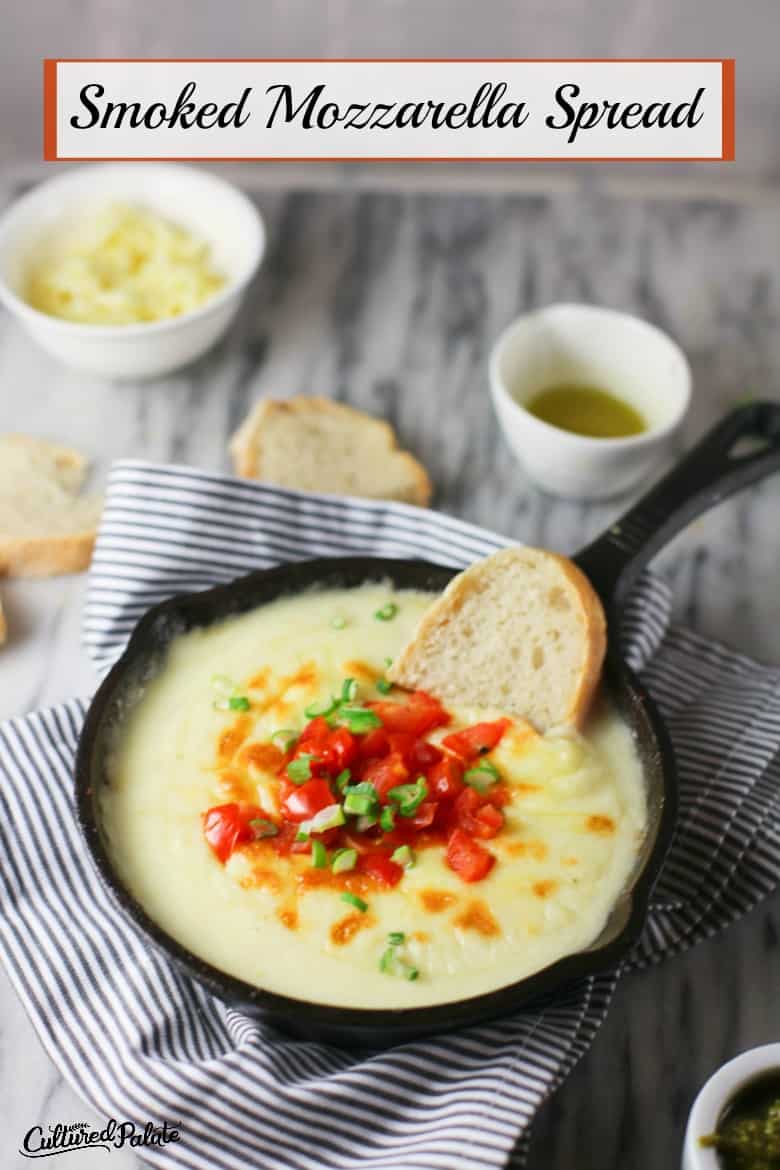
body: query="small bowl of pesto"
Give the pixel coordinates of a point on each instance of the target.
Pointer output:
(588, 398)
(129, 271)
(735, 1120)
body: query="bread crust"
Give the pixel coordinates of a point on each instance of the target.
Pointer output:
(246, 445)
(46, 556)
(405, 669)
(59, 552)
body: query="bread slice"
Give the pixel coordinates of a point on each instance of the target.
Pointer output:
(523, 630)
(322, 446)
(46, 527)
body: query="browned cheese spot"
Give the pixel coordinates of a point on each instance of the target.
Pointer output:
(259, 681)
(537, 850)
(345, 929)
(476, 916)
(545, 888)
(434, 901)
(234, 785)
(363, 671)
(266, 756)
(232, 737)
(261, 878)
(288, 918)
(600, 824)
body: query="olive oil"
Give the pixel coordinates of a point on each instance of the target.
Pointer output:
(584, 410)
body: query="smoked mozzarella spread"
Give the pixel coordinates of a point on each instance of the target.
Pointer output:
(574, 815)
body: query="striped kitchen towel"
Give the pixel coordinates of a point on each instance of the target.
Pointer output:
(140, 1041)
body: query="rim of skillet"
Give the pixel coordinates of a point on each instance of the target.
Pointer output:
(205, 607)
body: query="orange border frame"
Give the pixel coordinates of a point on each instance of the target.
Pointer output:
(50, 111)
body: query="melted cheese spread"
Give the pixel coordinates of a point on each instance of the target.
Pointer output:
(573, 826)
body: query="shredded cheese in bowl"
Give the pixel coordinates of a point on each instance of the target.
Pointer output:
(124, 265)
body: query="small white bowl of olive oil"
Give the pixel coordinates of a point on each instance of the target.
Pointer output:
(588, 398)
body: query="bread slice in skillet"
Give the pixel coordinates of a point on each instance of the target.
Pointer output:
(523, 630)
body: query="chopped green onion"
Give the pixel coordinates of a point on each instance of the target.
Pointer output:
(344, 860)
(343, 779)
(290, 737)
(391, 963)
(367, 821)
(299, 770)
(315, 710)
(409, 797)
(387, 819)
(359, 719)
(338, 622)
(404, 856)
(221, 704)
(384, 686)
(357, 804)
(262, 828)
(366, 788)
(482, 777)
(327, 818)
(353, 900)
(301, 835)
(319, 855)
(387, 962)
(387, 612)
(388, 662)
(349, 690)
(239, 703)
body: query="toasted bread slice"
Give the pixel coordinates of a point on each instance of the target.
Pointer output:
(322, 446)
(46, 527)
(523, 630)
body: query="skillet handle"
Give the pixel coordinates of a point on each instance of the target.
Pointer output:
(710, 472)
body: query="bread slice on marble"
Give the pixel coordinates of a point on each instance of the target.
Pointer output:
(523, 630)
(46, 526)
(322, 446)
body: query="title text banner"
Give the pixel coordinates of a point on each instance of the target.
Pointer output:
(361, 110)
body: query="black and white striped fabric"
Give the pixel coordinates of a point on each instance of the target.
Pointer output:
(141, 1042)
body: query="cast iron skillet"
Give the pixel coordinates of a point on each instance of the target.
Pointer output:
(712, 471)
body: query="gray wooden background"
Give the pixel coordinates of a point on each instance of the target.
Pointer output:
(748, 30)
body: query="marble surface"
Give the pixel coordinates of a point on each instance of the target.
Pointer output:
(390, 299)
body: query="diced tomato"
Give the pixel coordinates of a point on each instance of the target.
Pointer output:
(425, 814)
(373, 745)
(468, 858)
(313, 736)
(227, 825)
(385, 774)
(445, 779)
(424, 755)
(381, 867)
(339, 751)
(418, 713)
(305, 800)
(475, 741)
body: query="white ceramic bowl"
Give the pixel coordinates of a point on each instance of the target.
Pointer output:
(584, 345)
(715, 1095)
(197, 200)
